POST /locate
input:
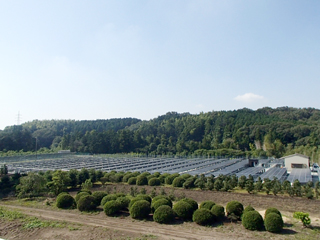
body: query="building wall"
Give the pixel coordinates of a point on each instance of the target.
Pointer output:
(295, 160)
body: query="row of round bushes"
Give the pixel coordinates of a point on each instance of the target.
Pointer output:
(164, 211)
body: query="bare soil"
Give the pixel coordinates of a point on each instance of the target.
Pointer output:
(99, 226)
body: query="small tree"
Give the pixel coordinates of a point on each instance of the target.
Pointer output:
(304, 217)
(87, 185)
(297, 188)
(32, 185)
(267, 185)
(258, 185)
(276, 186)
(242, 182)
(249, 185)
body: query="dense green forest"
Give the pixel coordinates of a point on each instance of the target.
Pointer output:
(263, 132)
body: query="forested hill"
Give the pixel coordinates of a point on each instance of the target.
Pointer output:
(264, 132)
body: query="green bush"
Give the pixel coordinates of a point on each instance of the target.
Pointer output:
(140, 209)
(192, 202)
(234, 208)
(111, 207)
(123, 202)
(62, 193)
(142, 180)
(218, 212)
(87, 203)
(178, 182)
(272, 210)
(108, 198)
(203, 216)
(248, 209)
(252, 220)
(160, 202)
(169, 179)
(164, 214)
(132, 181)
(156, 198)
(80, 195)
(144, 197)
(183, 210)
(273, 222)
(98, 196)
(154, 182)
(65, 201)
(304, 217)
(207, 204)
(85, 190)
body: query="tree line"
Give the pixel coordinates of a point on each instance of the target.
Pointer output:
(244, 132)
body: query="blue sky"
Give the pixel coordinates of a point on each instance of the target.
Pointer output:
(113, 59)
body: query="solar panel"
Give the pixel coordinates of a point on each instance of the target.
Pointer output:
(279, 173)
(253, 171)
(303, 175)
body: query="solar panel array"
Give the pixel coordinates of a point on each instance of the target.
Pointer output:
(253, 171)
(301, 174)
(279, 173)
(193, 166)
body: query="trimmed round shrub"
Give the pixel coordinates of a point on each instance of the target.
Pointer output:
(142, 180)
(144, 197)
(120, 195)
(154, 182)
(207, 204)
(123, 202)
(178, 182)
(140, 209)
(98, 196)
(202, 216)
(164, 214)
(80, 195)
(127, 176)
(85, 190)
(169, 179)
(234, 208)
(87, 203)
(272, 210)
(62, 193)
(183, 210)
(108, 198)
(248, 209)
(156, 198)
(163, 201)
(273, 222)
(218, 212)
(252, 220)
(111, 208)
(66, 201)
(132, 181)
(192, 202)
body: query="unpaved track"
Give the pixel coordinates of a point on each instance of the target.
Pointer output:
(126, 224)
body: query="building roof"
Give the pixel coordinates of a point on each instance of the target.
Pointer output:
(294, 155)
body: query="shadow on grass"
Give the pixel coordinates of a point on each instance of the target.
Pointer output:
(287, 231)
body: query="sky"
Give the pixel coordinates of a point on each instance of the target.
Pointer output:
(88, 60)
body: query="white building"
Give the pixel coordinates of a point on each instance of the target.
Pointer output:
(296, 161)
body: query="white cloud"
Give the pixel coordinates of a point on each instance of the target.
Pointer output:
(249, 98)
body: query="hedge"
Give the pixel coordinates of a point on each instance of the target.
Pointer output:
(80, 195)
(154, 182)
(108, 198)
(192, 202)
(98, 196)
